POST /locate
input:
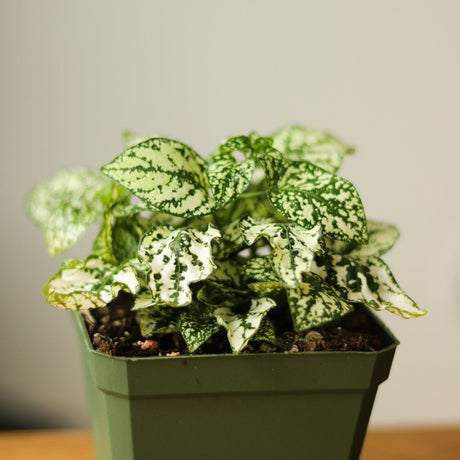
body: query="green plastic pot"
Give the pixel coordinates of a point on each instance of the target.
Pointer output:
(312, 405)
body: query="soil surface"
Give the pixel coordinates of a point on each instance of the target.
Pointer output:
(114, 330)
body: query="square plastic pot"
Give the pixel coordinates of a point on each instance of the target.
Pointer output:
(266, 406)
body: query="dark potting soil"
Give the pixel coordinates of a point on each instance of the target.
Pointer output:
(114, 330)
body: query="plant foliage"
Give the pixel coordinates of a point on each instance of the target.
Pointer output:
(261, 229)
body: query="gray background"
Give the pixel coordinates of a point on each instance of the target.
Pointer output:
(384, 76)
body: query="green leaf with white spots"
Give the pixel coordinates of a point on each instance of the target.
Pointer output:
(366, 280)
(90, 283)
(176, 260)
(254, 206)
(144, 299)
(382, 237)
(227, 273)
(125, 237)
(272, 162)
(308, 195)
(253, 147)
(197, 324)
(103, 244)
(167, 175)
(293, 247)
(314, 302)
(228, 178)
(241, 327)
(315, 146)
(119, 237)
(234, 144)
(266, 288)
(215, 294)
(231, 241)
(65, 206)
(158, 319)
(266, 332)
(260, 269)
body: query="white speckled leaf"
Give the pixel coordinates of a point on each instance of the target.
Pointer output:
(227, 273)
(91, 283)
(158, 319)
(314, 302)
(232, 240)
(119, 237)
(227, 177)
(382, 237)
(260, 269)
(315, 146)
(266, 331)
(293, 247)
(366, 280)
(272, 162)
(167, 175)
(197, 324)
(266, 288)
(144, 299)
(223, 287)
(241, 327)
(66, 205)
(177, 259)
(308, 195)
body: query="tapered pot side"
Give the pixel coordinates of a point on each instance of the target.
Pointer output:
(271, 406)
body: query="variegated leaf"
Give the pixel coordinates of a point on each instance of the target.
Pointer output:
(260, 269)
(308, 195)
(241, 327)
(197, 324)
(256, 206)
(314, 302)
(103, 244)
(366, 280)
(91, 283)
(228, 273)
(126, 236)
(315, 146)
(144, 299)
(167, 175)
(130, 210)
(176, 260)
(266, 332)
(214, 294)
(118, 238)
(241, 144)
(293, 247)
(382, 237)
(266, 288)
(258, 147)
(231, 242)
(158, 319)
(228, 178)
(272, 162)
(66, 205)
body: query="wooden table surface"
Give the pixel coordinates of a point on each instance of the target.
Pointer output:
(404, 444)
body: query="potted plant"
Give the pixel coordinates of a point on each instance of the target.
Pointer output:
(224, 308)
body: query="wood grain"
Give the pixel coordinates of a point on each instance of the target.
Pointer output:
(420, 444)
(414, 444)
